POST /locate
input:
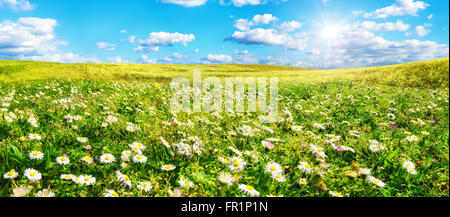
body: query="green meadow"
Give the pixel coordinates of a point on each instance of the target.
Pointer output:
(94, 130)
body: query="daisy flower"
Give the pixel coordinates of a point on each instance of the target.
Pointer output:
(20, 191)
(67, 177)
(250, 190)
(33, 175)
(186, 183)
(408, 164)
(110, 193)
(376, 181)
(36, 155)
(305, 167)
(237, 164)
(11, 174)
(124, 165)
(82, 139)
(302, 181)
(86, 180)
(87, 159)
(63, 160)
(107, 158)
(273, 168)
(364, 171)
(145, 186)
(45, 193)
(226, 178)
(126, 155)
(267, 144)
(279, 177)
(168, 167)
(139, 158)
(296, 128)
(335, 194)
(412, 171)
(123, 179)
(411, 138)
(319, 151)
(34, 136)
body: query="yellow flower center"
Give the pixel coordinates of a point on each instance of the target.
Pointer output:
(87, 179)
(35, 154)
(10, 173)
(168, 167)
(107, 158)
(273, 168)
(307, 166)
(140, 157)
(250, 188)
(236, 164)
(278, 176)
(186, 182)
(115, 194)
(32, 174)
(63, 159)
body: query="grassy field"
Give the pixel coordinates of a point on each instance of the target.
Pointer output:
(106, 130)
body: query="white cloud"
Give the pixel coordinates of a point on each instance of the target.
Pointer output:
(131, 38)
(245, 24)
(289, 26)
(146, 60)
(264, 19)
(123, 31)
(271, 60)
(219, 58)
(240, 3)
(166, 39)
(33, 38)
(117, 59)
(106, 46)
(430, 16)
(373, 26)
(186, 3)
(17, 5)
(400, 7)
(261, 36)
(422, 31)
(363, 48)
(325, 2)
(196, 50)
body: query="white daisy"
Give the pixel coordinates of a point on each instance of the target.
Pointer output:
(33, 175)
(67, 176)
(82, 139)
(273, 168)
(11, 174)
(45, 193)
(186, 183)
(63, 160)
(250, 190)
(107, 158)
(139, 158)
(168, 167)
(110, 193)
(279, 177)
(34, 136)
(86, 180)
(145, 186)
(125, 155)
(305, 167)
(36, 155)
(376, 181)
(226, 178)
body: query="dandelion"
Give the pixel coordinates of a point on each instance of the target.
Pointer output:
(36, 155)
(249, 190)
(186, 183)
(107, 158)
(45, 193)
(145, 186)
(11, 174)
(168, 167)
(33, 175)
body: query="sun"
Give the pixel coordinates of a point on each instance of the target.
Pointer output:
(329, 32)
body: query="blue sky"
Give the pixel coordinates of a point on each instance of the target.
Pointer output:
(304, 33)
